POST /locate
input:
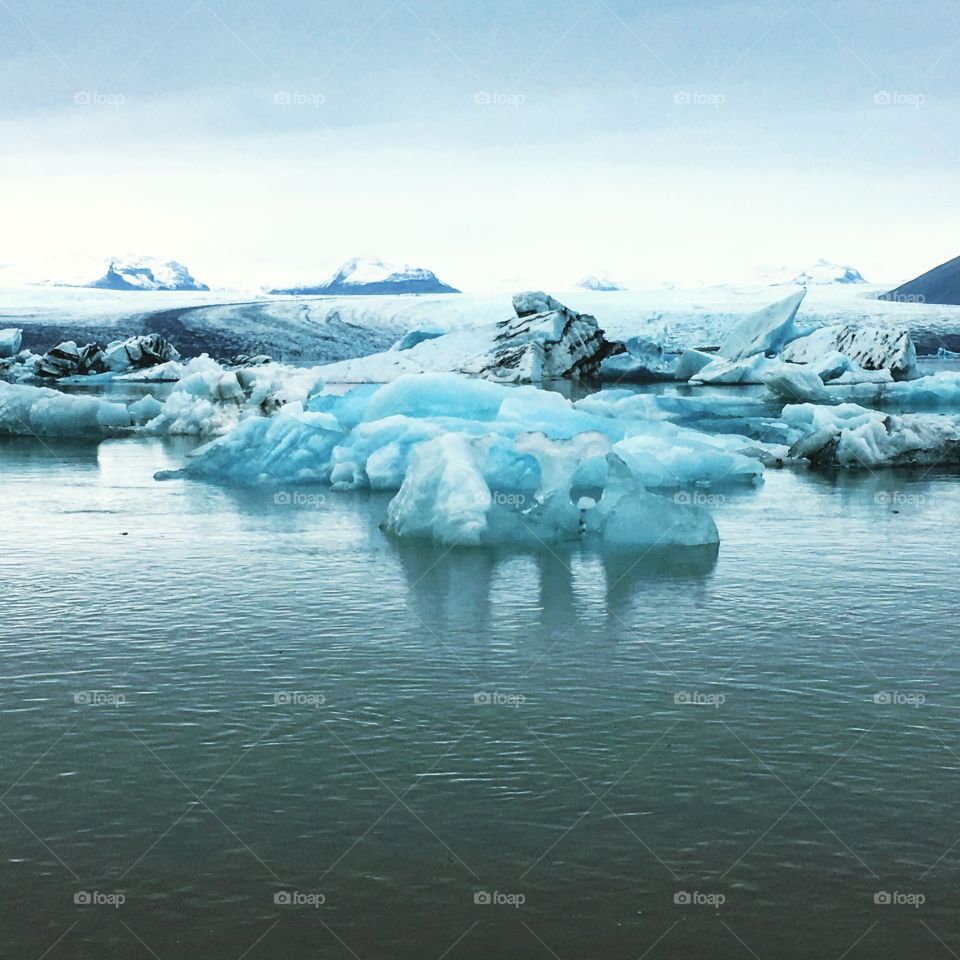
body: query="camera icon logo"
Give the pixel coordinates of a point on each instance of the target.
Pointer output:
(682, 898)
(482, 898)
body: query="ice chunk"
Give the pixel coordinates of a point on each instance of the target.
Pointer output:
(444, 496)
(644, 361)
(41, 412)
(145, 409)
(628, 516)
(553, 511)
(796, 383)
(554, 344)
(535, 301)
(666, 456)
(295, 446)
(851, 436)
(872, 348)
(752, 369)
(67, 359)
(414, 337)
(766, 331)
(136, 352)
(691, 362)
(10, 340)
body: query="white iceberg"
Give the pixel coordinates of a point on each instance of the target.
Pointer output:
(868, 347)
(852, 436)
(767, 331)
(42, 412)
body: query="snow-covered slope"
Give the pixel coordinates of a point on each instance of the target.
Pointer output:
(360, 276)
(821, 273)
(600, 283)
(146, 273)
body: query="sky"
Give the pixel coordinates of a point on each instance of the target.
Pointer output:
(502, 144)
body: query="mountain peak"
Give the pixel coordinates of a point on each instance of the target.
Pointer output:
(364, 275)
(146, 273)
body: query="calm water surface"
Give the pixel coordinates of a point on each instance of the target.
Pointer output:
(210, 699)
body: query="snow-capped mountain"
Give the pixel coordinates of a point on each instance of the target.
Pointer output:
(362, 276)
(820, 273)
(146, 273)
(600, 283)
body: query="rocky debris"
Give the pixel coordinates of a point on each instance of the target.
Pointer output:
(10, 340)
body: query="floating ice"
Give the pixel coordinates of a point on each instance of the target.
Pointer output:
(766, 331)
(42, 412)
(10, 340)
(852, 436)
(869, 348)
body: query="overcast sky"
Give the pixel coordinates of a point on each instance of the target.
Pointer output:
(500, 143)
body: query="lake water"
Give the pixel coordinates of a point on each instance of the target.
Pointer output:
(213, 703)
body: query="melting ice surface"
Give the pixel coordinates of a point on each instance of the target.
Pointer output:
(475, 462)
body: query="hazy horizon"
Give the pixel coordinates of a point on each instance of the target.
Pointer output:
(503, 146)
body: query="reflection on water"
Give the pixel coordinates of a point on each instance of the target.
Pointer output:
(209, 698)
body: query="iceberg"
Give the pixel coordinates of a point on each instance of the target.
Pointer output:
(10, 340)
(544, 341)
(472, 461)
(628, 516)
(869, 348)
(444, 496)
(767, 331)
(853, 437)
(42, 412)
(752, 369)
(138, 352)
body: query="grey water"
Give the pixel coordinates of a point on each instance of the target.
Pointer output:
(242, 725)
